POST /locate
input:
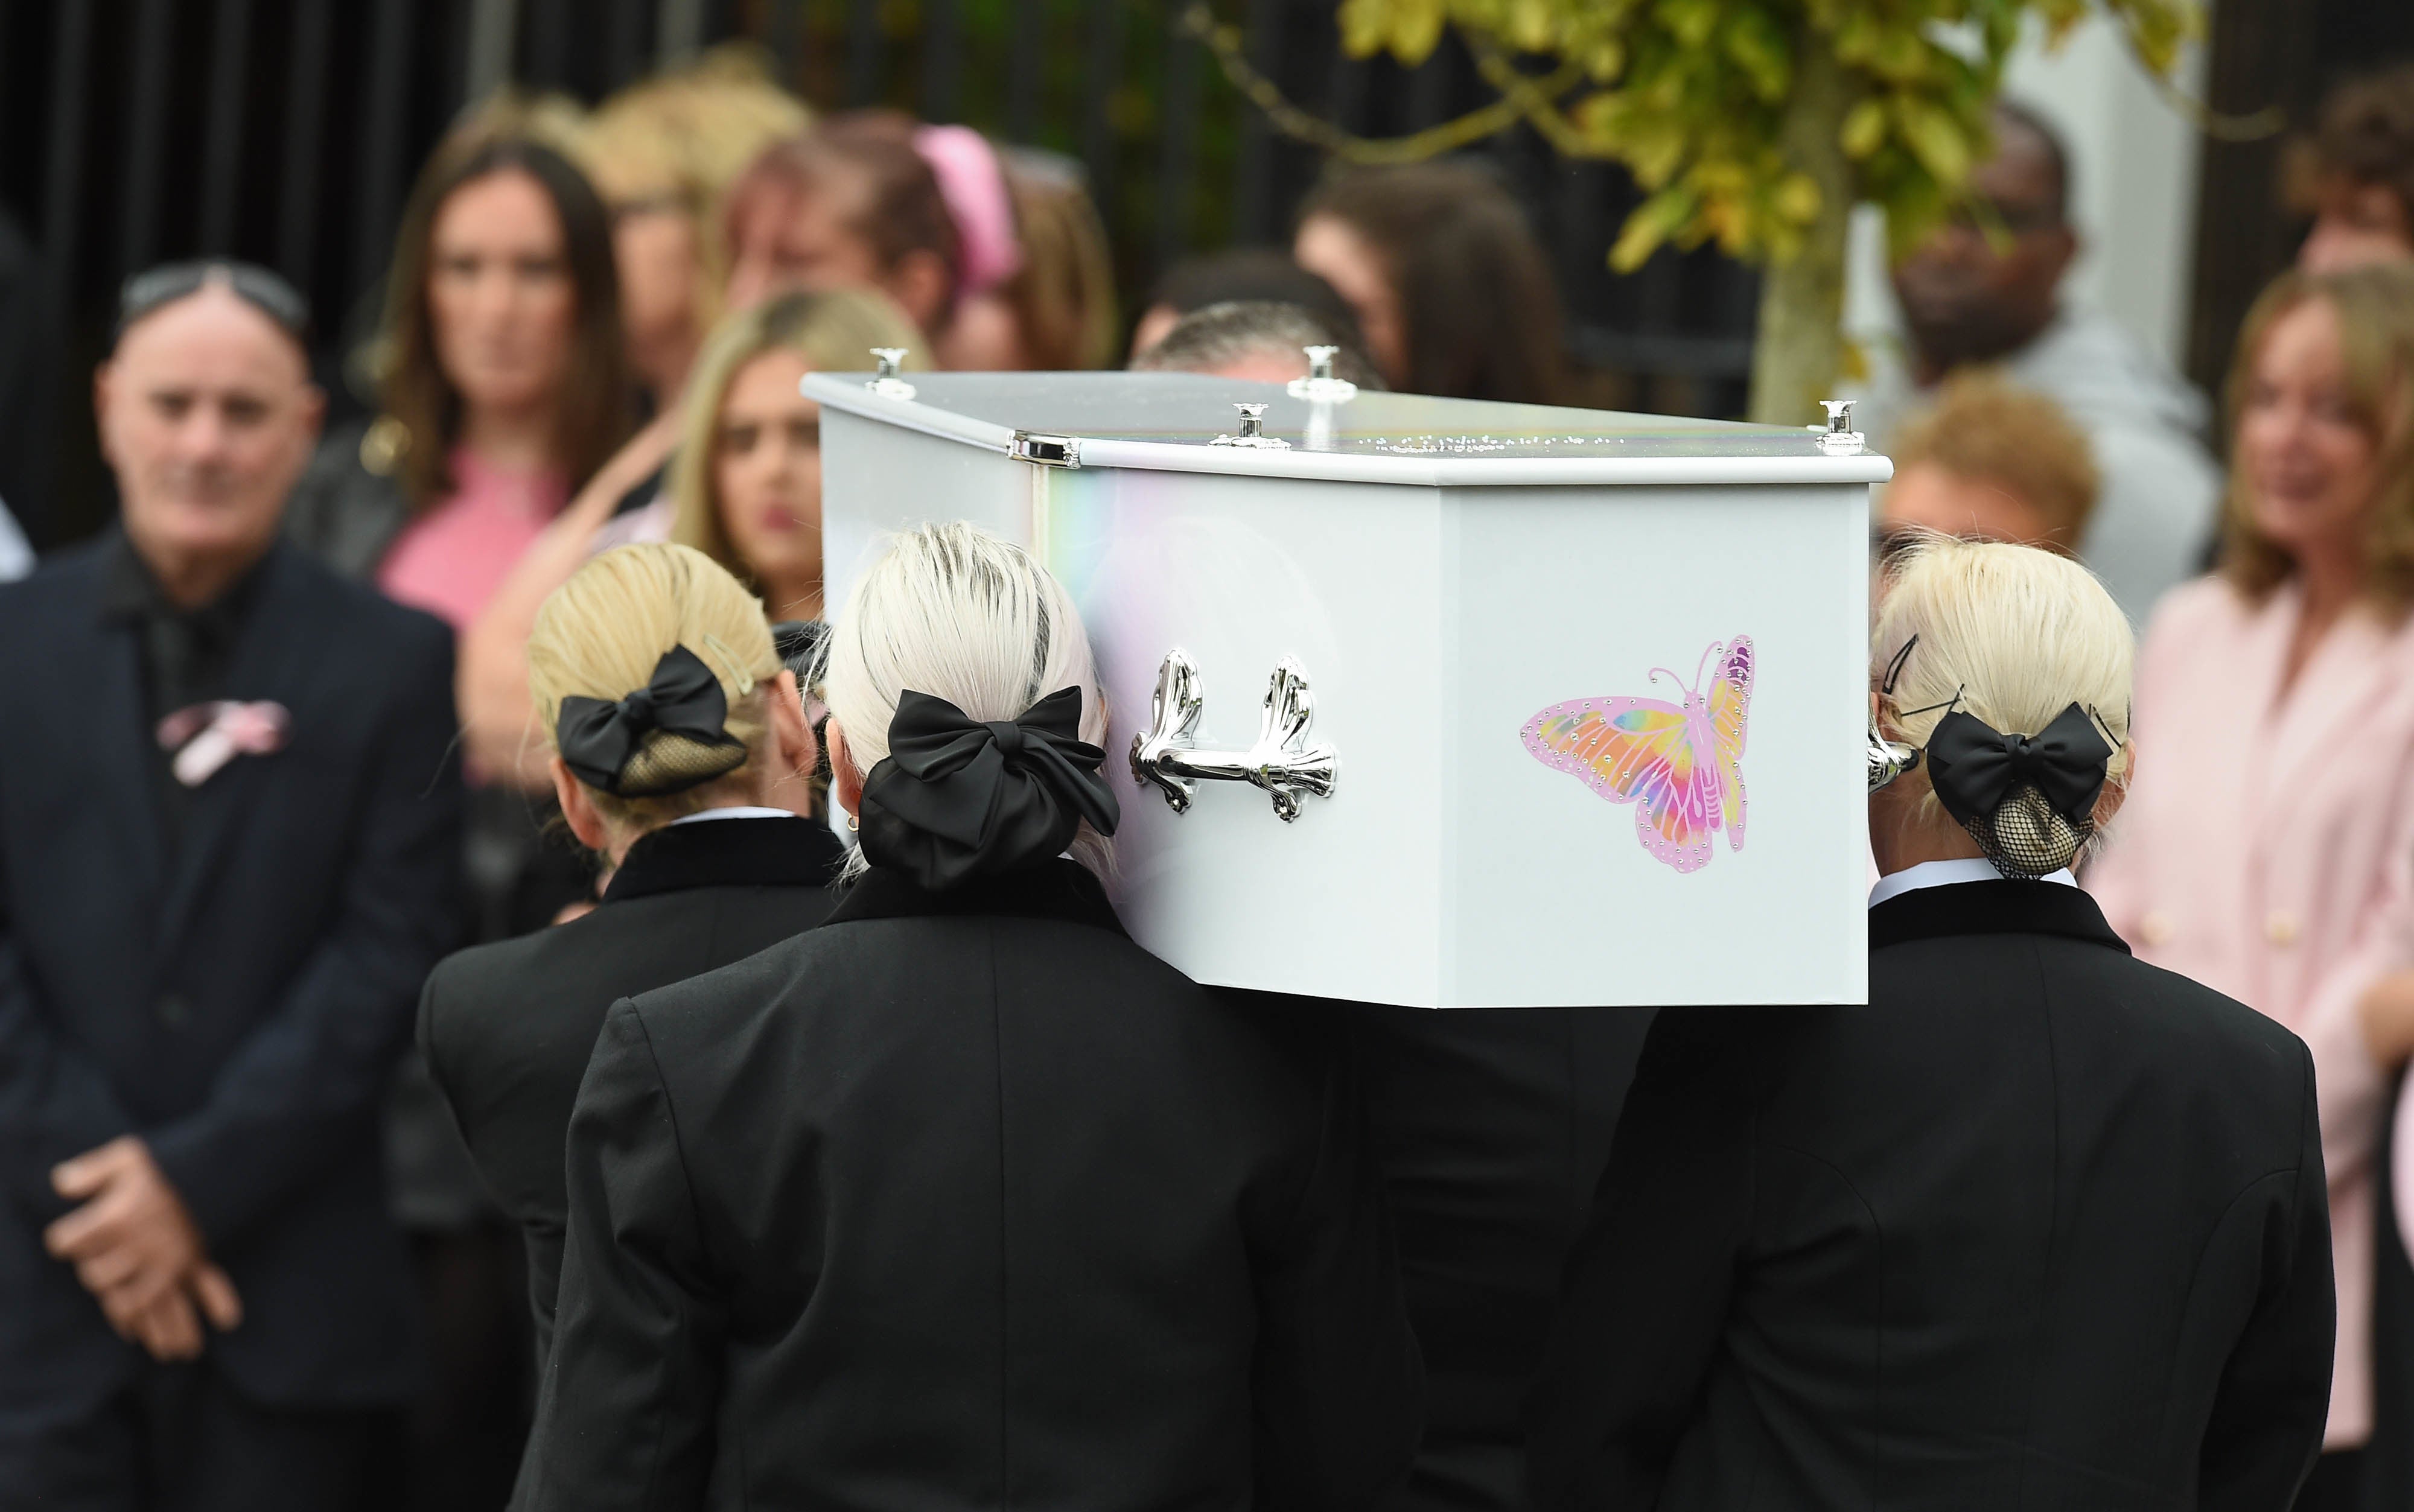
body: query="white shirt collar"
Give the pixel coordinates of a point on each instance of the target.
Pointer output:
(735, 812)
(1946, 873)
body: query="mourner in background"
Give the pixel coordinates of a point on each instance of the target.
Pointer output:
(1058, 306)
(745, 487)
(1240, 275)
(1990, 462)
(1986, 291)
(663, 153)
(852, 205)
(712, 858)
(2356, 175)
(2269, 850)
(1258, 341)
(502, 382)
(2040, 1223)
(229, 838)
(1452, 293)
(962, 1195)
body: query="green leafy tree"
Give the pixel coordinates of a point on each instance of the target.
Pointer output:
(1759, 123)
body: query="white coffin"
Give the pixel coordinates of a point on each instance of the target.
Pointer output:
(1441, 572)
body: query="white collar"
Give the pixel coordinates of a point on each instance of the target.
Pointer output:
(735, 812)
(1946, 873)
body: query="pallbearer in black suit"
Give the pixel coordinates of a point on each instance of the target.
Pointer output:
(682, 757)
(962, 1199)
(2040, 1225)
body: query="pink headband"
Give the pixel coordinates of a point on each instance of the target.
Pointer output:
(974, 185)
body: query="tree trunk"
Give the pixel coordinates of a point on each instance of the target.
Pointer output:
(1798, 349)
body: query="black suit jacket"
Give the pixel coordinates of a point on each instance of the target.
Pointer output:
(2040, 1226)
(509, 1028)
(968, 1201)
(1491, 1127)
(239, 1001)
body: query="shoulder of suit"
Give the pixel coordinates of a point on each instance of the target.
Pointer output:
(2202, 1010)
(2170, 1019)
(802, 967)
(57, 580)
(743, 989)
(482, 990)
(462, 975)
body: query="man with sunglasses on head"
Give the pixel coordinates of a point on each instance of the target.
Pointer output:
(229, 840)
(1984, 292)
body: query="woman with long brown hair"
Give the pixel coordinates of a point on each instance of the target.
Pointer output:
(501, 381)
(1453, 294)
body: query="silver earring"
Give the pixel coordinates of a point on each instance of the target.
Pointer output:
(1888, 759)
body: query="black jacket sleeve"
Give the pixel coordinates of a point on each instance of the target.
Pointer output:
(1337, 1379)
(319, 1064)
(2266, 1427)
(625, 1412)
(55, 1103)
(1645, 1300)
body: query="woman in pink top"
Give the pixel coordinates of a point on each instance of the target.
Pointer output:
(504, 385)
(507, 368)
(2268, 845)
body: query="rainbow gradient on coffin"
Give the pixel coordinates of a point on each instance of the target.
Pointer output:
(1677, 766)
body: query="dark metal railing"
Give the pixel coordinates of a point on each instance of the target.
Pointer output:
(287, 131)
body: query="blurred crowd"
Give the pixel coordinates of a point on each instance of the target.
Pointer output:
(593, 334)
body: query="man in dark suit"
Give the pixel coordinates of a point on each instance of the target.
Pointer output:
(229, 834)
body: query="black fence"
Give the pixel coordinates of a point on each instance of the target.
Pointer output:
(287, 131)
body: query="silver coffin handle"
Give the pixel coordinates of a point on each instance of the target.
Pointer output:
(1167, 756)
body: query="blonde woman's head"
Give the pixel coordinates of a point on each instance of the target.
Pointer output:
(662, 152)
(953, 612)
(603, 636)
(746, 486)
(2012, 636)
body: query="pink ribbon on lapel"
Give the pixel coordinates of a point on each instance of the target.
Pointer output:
(206, 737)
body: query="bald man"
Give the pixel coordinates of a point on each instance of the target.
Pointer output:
(229, 835)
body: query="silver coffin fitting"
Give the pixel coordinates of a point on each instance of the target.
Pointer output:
(1282, 761)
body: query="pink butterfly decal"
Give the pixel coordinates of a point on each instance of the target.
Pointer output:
(1676, 765)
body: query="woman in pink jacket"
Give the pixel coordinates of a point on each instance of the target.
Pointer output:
(2267, 847)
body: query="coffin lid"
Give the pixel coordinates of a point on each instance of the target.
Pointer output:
(1167, 422)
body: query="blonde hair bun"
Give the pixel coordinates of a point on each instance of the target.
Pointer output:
(954, 612)
(2012, 636)
(602, 635)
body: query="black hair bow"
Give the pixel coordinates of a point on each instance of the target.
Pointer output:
(597, 737)
(958, 798)
(1974, 767)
